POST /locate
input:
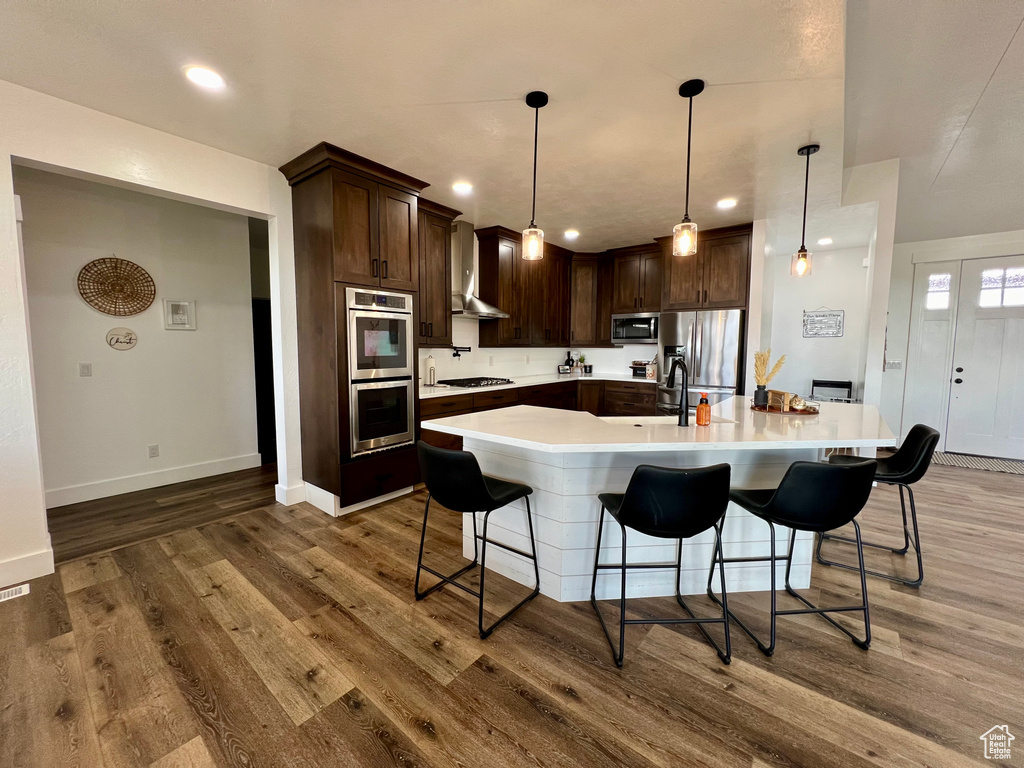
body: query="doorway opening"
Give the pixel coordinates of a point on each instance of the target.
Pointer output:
(139, 402)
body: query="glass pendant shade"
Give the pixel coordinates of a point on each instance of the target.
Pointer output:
(684, 239)
(801, 263)
(533, 244)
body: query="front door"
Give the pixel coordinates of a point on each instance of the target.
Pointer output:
(986, 402)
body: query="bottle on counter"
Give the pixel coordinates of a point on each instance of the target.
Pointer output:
(703, 411)
(568, 358)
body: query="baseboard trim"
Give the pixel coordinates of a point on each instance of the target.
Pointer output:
(27, 567)
(288, 496)
(327, 502)
(73, 494)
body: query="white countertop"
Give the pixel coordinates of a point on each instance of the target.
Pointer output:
(527, 381)
(734, 427)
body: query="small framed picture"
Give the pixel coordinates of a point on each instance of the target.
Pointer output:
(179, 315)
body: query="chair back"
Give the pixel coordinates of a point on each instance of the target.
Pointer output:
(821, 497)
(453, 478)
(675, 503)
(911, 461)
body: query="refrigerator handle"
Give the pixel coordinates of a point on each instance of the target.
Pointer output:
(699, 328)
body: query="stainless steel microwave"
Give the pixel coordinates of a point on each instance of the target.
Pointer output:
(639, 328)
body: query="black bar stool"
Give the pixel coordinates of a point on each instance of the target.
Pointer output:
(455, 480)
(670, 504)
(902, 469)
(811, 497)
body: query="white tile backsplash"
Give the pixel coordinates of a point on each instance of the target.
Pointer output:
(509, 363)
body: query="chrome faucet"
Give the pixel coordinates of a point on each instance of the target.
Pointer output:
(684, 407)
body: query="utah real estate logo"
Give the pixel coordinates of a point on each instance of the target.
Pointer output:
(997, 742)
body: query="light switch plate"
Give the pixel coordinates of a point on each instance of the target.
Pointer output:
(154, 451)
(893, 365)
(85, 369)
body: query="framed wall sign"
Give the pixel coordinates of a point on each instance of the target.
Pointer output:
(179, 315)
(121, 338)
(823, 323)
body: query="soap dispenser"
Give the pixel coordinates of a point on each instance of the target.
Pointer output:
(703, 411)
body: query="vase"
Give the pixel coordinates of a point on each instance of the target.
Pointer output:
(761, 396)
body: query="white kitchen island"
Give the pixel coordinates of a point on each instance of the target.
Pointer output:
(568, 457)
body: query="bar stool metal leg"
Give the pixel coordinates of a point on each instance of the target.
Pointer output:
(769, 649)
(449, 579)
(622, 566)
(532, 555)
(908, 541)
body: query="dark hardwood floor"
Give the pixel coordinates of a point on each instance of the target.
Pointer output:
(95, 526)
(282, 637)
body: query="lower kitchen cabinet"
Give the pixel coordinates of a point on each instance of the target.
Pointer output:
(630, 398)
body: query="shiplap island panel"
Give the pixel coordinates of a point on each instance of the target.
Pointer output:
(568, 457)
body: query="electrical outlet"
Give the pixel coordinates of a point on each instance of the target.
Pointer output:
(154, 451)
(490, 360)
(85, 369)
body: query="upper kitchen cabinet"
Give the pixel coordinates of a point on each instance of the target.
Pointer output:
(583, 301)
(590, 300)
(716, 277)
(535, 294)
(434, 328)
(502, 283)
(637, 279)
(368, 212)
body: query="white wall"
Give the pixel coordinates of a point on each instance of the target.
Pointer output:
(192, 393)
(905, 256)
(41, 130)
(838, 280)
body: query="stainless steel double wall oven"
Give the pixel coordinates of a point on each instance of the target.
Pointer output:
(381, 365)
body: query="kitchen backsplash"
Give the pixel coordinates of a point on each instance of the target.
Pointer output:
(527, 361)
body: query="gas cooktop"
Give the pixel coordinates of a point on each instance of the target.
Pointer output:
(477, 381)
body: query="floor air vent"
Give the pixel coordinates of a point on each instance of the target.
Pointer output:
(12, 592)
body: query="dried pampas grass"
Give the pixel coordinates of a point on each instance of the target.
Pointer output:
(761, 373)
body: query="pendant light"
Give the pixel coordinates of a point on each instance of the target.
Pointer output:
(802, 259)
(533, 236)
(684, 234)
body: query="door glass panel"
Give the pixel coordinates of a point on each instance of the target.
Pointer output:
(937, 296)
(380, 343)
(1013, 293)
(382, 412)
(991, 288)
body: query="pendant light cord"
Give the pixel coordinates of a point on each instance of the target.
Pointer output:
(807, 178)
(689, 134)
(536, 127)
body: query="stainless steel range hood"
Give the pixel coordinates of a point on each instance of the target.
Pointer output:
(465, 301)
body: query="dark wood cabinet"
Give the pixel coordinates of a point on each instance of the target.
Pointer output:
(355, 222)
(583, 302)
(590, 397)
(630, 398)
(637, 279)
(434, 328)
(399, 239)
(535, 294)
(373, 223)
(726, 264)
(716, 277)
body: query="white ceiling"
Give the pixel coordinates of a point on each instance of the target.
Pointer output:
(435, 90)
(941, 86)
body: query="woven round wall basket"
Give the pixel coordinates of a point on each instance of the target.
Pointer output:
(116, 286)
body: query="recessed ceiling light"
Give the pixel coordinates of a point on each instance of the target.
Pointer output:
(462, 187)
(825, 241)
(205, 78)
(727, 202)
(571, 234)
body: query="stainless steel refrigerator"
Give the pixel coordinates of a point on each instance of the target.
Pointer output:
(710, 342)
